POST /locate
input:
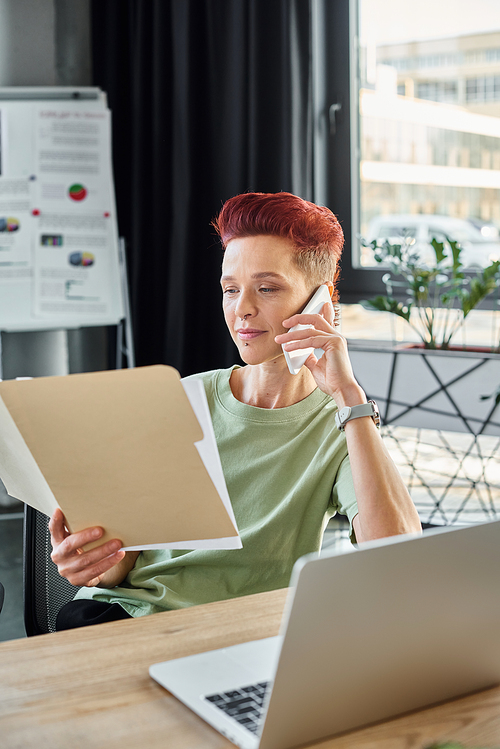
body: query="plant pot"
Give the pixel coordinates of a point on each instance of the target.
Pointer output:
(430, 389)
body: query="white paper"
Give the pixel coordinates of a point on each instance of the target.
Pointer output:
(16, 224)
(61, 267)
(74, 264)
(76, 250)
(207, 449)
(19, 471)
(72, 158)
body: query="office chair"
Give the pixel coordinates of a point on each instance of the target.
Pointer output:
(2, 593)
(45, 591)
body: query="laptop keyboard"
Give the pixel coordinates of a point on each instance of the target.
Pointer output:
(244, 705)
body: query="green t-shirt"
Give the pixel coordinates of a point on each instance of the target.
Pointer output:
(287, 473)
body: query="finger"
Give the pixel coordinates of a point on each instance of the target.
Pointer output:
(92, 583)
(328, 313)
(311, 362)
(303, 333)
(75, 541)
(315, 341)
(90, 576)
(77, 560)
(301, 319)
(57, 528)
(85, 561)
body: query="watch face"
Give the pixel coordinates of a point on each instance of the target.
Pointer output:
(376, 413)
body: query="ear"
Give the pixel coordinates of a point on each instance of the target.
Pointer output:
(331, 287)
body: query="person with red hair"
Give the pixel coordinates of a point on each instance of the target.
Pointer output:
(296, 448)
(315, 234)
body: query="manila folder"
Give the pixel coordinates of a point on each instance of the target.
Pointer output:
(117, 449)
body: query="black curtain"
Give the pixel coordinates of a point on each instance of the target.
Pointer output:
(209, 98)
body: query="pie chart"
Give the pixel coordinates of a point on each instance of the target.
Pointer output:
(77, 192)
(12, 224)
(82, 259)
(9, 224)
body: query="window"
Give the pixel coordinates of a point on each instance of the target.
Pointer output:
(446, 91)
(484, 89)
(418, 111)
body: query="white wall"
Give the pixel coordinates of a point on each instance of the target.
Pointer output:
(27, 47)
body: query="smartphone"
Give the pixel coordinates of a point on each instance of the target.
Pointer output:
(296, 359)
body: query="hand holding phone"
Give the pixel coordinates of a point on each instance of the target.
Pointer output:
(296, 359)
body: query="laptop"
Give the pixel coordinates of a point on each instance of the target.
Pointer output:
(396, 625)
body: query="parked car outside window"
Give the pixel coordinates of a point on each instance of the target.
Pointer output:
(479, 248)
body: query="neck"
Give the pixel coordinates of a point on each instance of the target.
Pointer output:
(270, 385)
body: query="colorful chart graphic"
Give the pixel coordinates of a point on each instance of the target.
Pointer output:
(77, 192)
(9, 224)
(82, 259)
(51, 240)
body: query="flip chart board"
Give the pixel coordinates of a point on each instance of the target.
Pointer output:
(59, 260)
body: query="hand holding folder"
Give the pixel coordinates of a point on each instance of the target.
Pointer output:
(132, 451)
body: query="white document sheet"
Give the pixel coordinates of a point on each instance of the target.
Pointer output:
(75, 251)
(18, 469)
(74, 264)
(16, 225)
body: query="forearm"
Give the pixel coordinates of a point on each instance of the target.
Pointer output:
(119, 572)
(384, 506)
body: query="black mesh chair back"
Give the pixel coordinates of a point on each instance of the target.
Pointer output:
(45, 591)
(2, 593)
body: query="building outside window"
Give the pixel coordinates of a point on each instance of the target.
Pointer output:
(429, 124)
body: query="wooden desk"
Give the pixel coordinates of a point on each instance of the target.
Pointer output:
(91, 688)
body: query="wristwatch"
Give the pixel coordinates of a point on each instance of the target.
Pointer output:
(355, 412)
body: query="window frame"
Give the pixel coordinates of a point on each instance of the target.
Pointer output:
(340, 67)
(337, 149)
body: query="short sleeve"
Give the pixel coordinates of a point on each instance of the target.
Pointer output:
(343, 496)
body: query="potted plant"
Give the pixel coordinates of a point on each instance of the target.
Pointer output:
(433, 384)
(439, 296)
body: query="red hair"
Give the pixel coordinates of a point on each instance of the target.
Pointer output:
(314, 230)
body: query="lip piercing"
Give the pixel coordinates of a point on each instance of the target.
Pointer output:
(243, 319)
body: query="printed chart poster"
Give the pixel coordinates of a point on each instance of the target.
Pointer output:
(72, 159)
(15, 230)
(75, 254)
(73, 264)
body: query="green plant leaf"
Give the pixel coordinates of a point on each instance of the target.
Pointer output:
(456, 252)
(480, 286)
(492, 270)
(388, 304)
(438, 249)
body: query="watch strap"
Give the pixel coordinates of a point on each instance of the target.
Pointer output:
(355, 412)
